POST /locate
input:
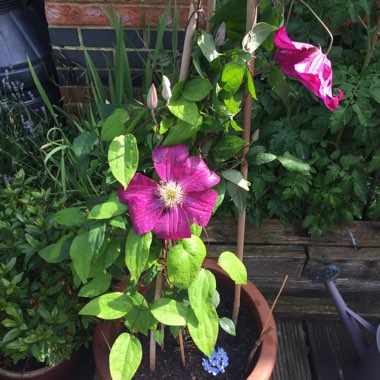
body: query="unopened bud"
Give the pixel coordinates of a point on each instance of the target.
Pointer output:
(152, 100)
(220, 35)
(166, 90)
(256, 135)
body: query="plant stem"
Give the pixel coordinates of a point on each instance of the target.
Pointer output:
(182, 348)
(251, 21)
(188, 43)
(323, 24)
(157, 295)
(211, 4)
(152, 348)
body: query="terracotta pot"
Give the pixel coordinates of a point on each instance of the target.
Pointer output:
(106, 332)
(64, 370)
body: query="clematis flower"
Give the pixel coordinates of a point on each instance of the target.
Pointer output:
(309, 65)
(182, 196)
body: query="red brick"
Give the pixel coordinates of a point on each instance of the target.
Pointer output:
(92, 15)
(74, 94)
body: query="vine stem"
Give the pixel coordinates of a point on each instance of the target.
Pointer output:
(323, 24)
(251, 22)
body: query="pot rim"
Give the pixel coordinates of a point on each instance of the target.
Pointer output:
(106, 332)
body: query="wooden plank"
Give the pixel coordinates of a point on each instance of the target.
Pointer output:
(362, 263)
(349, 288)
(272, 232)
(292, 356)
(331, 350)
(306, 307)
(366, 233)
(264, 261)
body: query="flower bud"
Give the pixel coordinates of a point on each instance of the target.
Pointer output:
(152, 100)
(256, 135)
(220, 35)
(166, 90)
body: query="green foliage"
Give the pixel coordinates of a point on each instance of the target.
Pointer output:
(39, 308)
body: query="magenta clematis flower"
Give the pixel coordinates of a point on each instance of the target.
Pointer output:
(183, 195)
(309, 65)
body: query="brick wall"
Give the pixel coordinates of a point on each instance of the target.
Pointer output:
(79, 25)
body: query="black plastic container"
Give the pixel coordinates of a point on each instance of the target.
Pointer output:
(23, 34)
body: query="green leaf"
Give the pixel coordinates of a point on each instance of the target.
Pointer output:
(169, 312)
(263, 158)
(106, 256)
(201, 293)
(204, 332)
(233, 266)
(294, 164)
(228, 147)
(232, 76)
(181, 131)
(96, 286)
(238, 195)
(184, 261)
(96, 235)
(123, 158)
(137, 253)
(140, 318)
(125, 357)
(197, 89)
(195, 229)
(227, 325)
(277, 81)
(114, 125)
(81, 255)
(251, 85)
(108, 209)
(69, 217)
(83, 144)
(236, 177)
(221, 189)
(207, 44)
(57, 252)
(257, 36)
(374, 164)
(108, 306)
(185, 110)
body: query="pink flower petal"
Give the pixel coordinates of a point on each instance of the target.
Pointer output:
(197, 176)
(199, 206)
(173, 224)
(169, 161)
(309, 65)
(282, 41)
(145, 208)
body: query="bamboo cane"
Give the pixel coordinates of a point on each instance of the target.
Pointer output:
(251, 21)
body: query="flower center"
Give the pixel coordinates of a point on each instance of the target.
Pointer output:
(171, 194)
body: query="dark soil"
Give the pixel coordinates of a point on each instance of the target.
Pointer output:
(25, 365)
(168, 363)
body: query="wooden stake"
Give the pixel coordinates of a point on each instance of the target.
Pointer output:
(251, 21)
(182, 348)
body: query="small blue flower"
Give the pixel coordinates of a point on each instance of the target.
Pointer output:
(217, 363)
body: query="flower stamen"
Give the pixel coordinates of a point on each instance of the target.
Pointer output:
(171, 194)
